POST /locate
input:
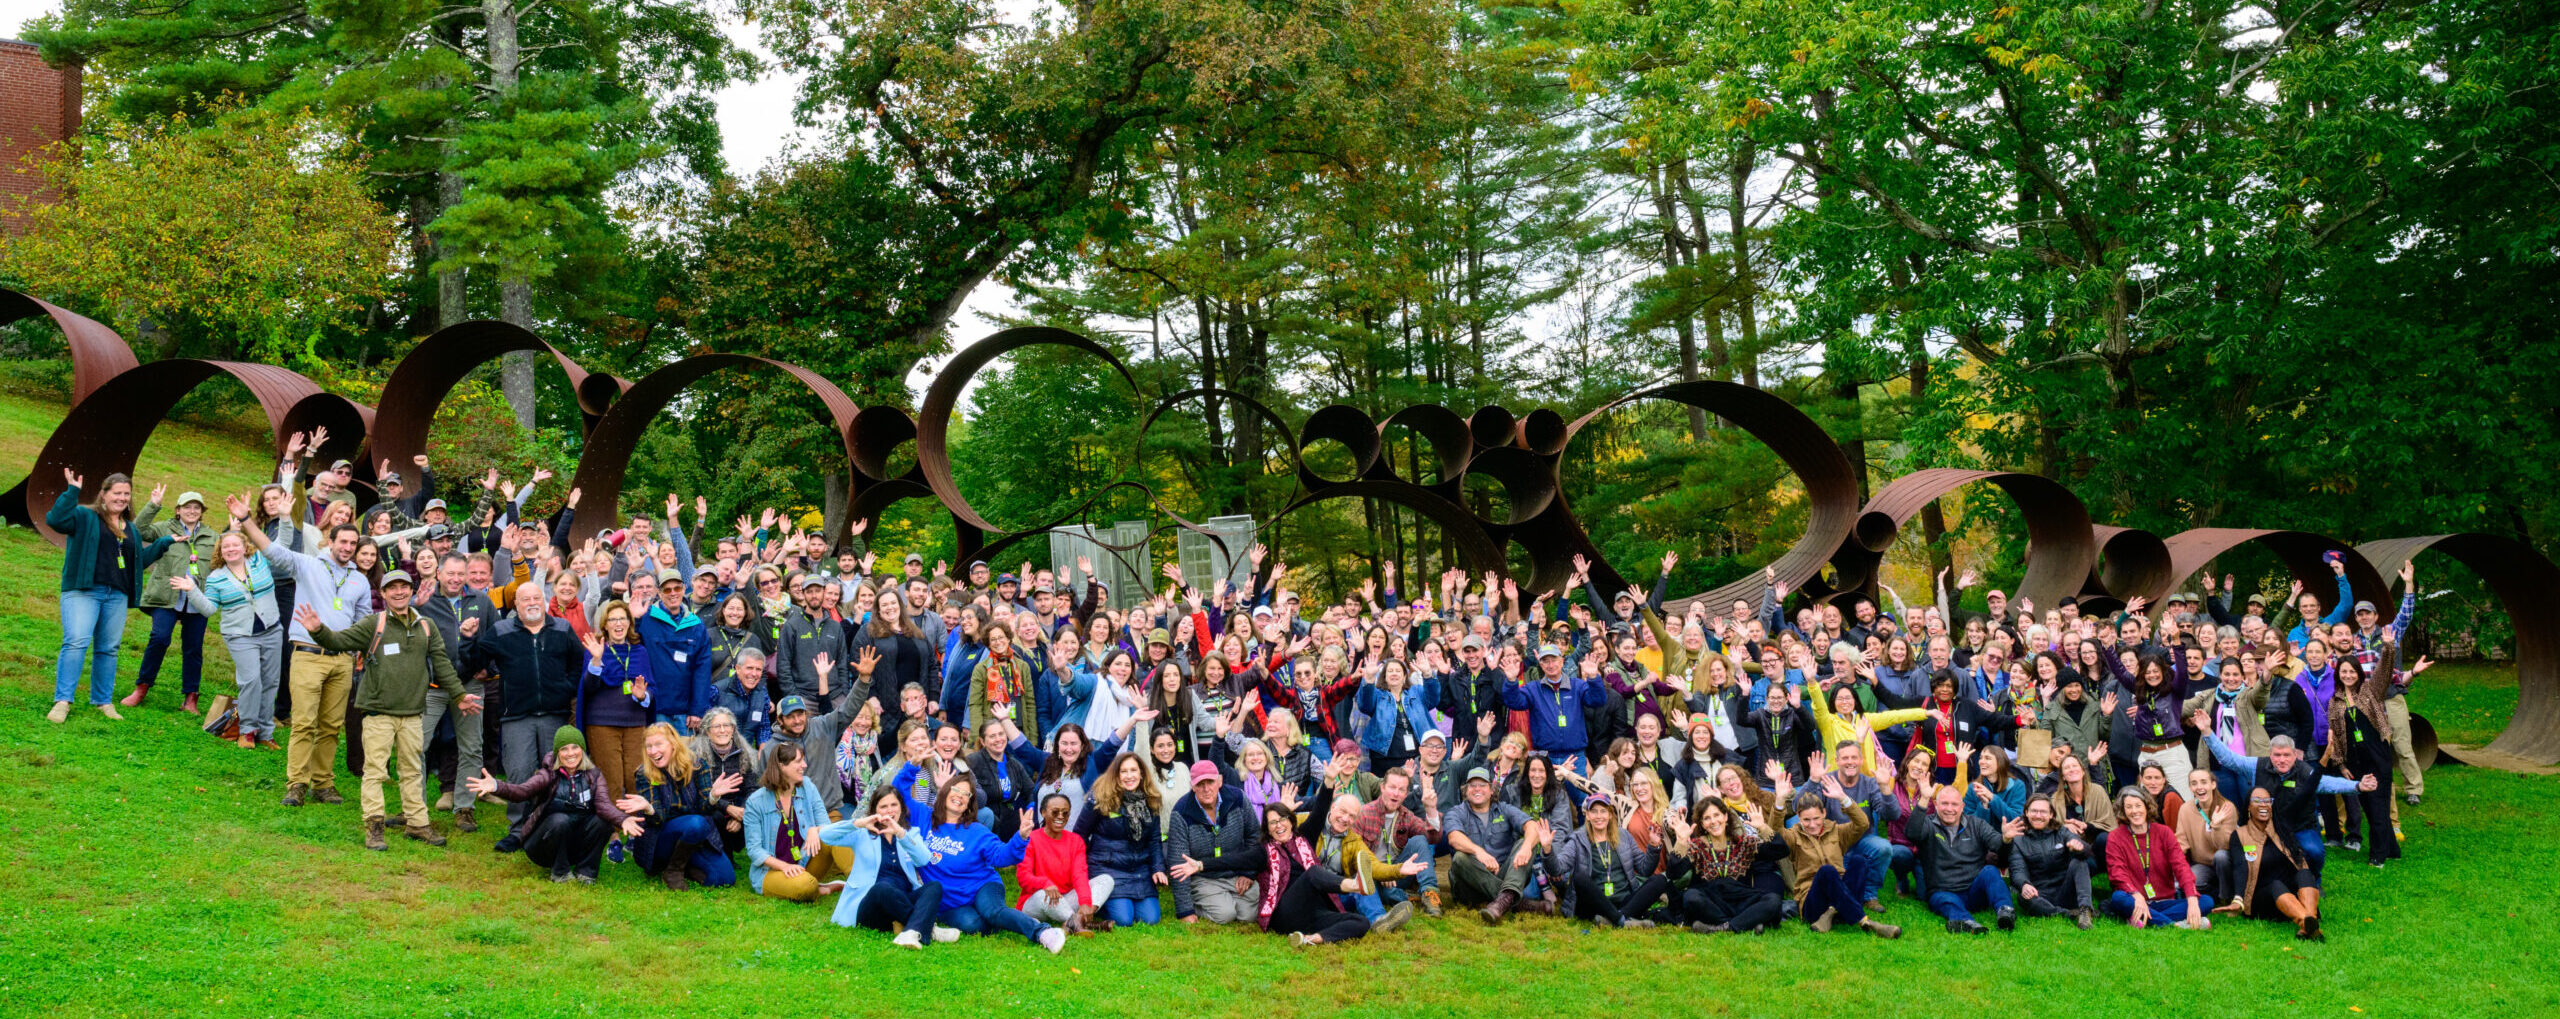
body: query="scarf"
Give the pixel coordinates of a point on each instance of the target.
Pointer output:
(1260, 789)
(850, 750)
(1276, 872)
(2254, 838)
(2226, 721)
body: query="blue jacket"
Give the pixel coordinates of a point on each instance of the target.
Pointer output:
(763, 825)
(1074, 699)
(1373, 701)
(967, 857)
(959, 662)
(753, 708)
(1555, 715)
(601, 699)
(866, 864)
(2341, 612)
(679, 661)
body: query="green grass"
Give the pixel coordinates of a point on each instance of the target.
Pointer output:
(145, 868)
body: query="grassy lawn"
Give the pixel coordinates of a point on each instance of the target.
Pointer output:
(145, 869)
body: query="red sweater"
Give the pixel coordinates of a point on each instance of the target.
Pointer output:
(2152, 865)
(1058, 862)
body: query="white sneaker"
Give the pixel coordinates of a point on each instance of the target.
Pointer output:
(1054, 940)
(908, 939)
(61, 711)
(2197, 923)
(945, 935)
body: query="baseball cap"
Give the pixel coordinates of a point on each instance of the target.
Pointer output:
(1202, 771)
(813, 580)
(342, 465)
(2362, 606)
(1471, 642)
(438, 532)
(1431, 734)
(706, 571)
(915, 557)
(1159, 636)
(790, 704)
(1479, 775)
(670, 577)
(397, 577)
(190, 497)
(1550, 651)
(391, 477)
(979, 564)
(434, 504)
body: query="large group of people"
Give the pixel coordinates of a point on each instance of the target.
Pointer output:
(700, 706)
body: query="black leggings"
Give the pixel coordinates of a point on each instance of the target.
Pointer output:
(1306, 907)
(1589, 902)
(2380, 842)
(568, 843)
(1731, 903)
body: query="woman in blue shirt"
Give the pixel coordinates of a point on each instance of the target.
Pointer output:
(968, 860)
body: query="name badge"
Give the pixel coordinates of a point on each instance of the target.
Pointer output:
(2288, 783)
(337, 604)
(679, 656)
(390, 649)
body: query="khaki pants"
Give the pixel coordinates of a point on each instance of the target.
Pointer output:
(384, 736)
(618, 751)
(833, 863)
(320, 684)
(2412, 778)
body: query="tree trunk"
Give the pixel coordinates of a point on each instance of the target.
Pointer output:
(836, 501)
(453, 298)
(1677, 253)
(515, 371)
(1933, 518)
(1747, 303)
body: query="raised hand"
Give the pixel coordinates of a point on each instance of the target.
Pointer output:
(482, 786)
(594, 643)
(309, 619)
(573, 498)
(1966, 579)
(726, 784)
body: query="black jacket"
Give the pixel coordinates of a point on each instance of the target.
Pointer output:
(903, 660)
(2043, 858)
(1951, 856)
(448, 614)
(991, 793)
(537, 672)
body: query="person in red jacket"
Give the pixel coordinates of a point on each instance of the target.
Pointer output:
(1055, 886)
(2148, 867)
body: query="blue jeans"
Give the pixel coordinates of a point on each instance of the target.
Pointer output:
(693, 835)
(1832, 890)
(92, 628)
(2314, 851)
(1148, 910)
(190, 648)
(673, 720)
(1904, 861)
(989, 911)
(1879, 856)
(2164, 912)
(1989, 891)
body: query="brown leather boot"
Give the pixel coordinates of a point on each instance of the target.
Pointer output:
(1501, 904)
(141, 692)
(673, 875)
(464, 822)
(373, 834)
(423, 833)
(188, 705)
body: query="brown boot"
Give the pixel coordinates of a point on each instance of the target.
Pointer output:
(1493, 911)
(673, 875)
(424, 833)
(141, 692)
(188, 705)
(1538, 906)
(373, 834)
(464, 822)
(329, 796)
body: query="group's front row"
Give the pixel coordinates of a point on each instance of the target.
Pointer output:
(923, 860)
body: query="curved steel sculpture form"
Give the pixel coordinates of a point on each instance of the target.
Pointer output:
(117, 402)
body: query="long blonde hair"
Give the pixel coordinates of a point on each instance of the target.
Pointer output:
(1106, 793)
(679, 768)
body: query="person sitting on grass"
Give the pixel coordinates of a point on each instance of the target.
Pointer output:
(1491, 844)
(2049, 863)
(1957, 875)
(1604, 874)
(1120, 829)
(2272, 875)
(785, 860)
(681, 806)
(2148, 869)
(1830, 873)
(1299, 887)
(569, 813)
(1057, 884)
(968, 860)
(1721, 851)
(1210, 843)
(884, 888)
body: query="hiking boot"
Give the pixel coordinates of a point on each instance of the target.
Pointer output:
(1431, 902)
(2007, 918)
(423, 833)
(1872, 905)
(109, 710)
(61, 712)
(296, 794)
(464, 822)
(373, 834)
(1396, 917)
(1541, 907)
(1493, 911)
(1968, 925)
(329, 796)
(674, 877)
(2080, 917)
(1882, 930)
(1822, 924)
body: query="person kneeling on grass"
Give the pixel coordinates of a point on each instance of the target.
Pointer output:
(885, 887)
(2148, 868)
(569, 814)
(968, 861)
(1831, 874)
(680, 803)
(2049, 863)
(1301, 892)
(1057, 887)
(1955, 864)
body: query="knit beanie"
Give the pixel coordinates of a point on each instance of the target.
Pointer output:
(568, 736)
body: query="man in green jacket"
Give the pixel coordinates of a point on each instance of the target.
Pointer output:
(405, 656)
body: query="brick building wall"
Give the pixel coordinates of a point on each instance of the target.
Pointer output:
(39, 105)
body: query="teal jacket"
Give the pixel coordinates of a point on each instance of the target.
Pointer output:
(83, 529)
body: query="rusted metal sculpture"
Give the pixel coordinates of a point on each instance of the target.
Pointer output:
(117, 402)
